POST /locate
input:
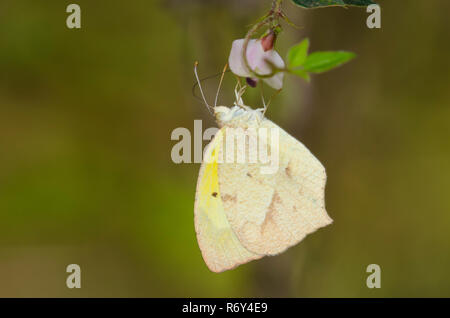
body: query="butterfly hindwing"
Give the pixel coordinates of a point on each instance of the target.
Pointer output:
(271, 212)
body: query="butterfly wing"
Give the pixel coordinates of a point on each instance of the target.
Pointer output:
(271, 212)
(219, 245)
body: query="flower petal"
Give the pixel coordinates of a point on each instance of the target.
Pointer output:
(257, 60)
(276, 81)
(235, 61)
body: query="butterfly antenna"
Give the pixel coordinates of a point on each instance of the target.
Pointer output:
(200, 87)
(220, 84)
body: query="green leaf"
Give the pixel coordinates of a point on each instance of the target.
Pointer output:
(302, 73)
(319, 62)
(359, 3)
(297, 54)
(326, 3)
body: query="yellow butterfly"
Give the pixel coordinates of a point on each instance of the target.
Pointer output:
(241, 213)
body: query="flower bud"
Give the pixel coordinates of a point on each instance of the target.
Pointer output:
(268, 41)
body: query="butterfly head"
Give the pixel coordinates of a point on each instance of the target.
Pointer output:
(237, 116)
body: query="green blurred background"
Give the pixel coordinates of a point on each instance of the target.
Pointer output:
(86, 175)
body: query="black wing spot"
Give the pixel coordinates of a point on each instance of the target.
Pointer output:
(214, 194)
(249, 175)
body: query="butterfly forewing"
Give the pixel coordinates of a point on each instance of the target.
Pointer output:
(219, 245)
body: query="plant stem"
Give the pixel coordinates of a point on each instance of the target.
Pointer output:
(273, 14)
(278, 3)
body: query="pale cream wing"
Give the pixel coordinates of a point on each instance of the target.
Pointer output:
(219, 245)
(271, 212)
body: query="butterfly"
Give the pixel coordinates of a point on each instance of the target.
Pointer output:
(241, 212)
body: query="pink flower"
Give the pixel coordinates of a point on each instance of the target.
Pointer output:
(257, 59)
